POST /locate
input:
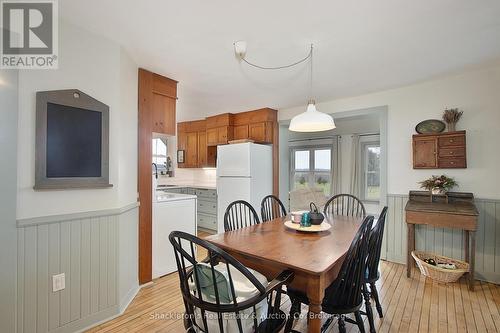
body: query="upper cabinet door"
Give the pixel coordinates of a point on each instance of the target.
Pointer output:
(212, 137)
(241, 132)
(163, 97)
(261, 132)
(191, 152)
(425, 153)
(163, 114)
(222, 134)
(202, 149)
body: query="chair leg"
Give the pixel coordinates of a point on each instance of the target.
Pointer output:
(341, 324)
(327, 324)
(294, 314)
(359, 321)
(368, 308)
(373, 290)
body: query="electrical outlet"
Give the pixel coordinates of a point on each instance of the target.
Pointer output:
(58, 282)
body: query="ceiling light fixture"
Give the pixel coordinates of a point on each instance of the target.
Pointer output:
(309, 121)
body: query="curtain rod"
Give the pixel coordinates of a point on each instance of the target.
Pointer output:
(364, 134)
(313, 139)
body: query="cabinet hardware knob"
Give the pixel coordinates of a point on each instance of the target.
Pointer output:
(452, 162)
(451, 153)
(451, 140)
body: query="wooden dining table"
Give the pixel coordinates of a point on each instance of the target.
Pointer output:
(315, 258)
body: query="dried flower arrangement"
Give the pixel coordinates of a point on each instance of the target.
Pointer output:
(438, 184)
(451, 117)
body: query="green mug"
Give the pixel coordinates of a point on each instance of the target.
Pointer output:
(306, 220)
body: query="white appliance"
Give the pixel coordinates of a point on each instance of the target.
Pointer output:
(171, 211)
(244, 172)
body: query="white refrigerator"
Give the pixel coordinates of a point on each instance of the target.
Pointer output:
(244, 172)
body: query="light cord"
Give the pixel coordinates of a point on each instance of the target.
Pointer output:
(309, 55)
(311, 78)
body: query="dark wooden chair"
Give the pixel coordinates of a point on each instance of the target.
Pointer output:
(271, 208)
(372, 273)
(239, 214)
(345, 294)
(222, 295)
(346, 205)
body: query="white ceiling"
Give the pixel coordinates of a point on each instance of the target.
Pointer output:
(360, 46)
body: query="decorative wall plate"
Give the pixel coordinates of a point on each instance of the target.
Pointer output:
(430, 126)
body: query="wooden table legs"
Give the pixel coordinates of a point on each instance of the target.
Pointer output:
(315, 294)
(469, 248)
(410, 247)
(470, 254)
(472, 259)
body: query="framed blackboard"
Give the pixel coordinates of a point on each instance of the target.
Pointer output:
(72, 141)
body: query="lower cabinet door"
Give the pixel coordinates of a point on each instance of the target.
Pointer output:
(207, 221)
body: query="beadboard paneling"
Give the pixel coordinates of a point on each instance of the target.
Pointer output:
(444, 241)
(87, 251)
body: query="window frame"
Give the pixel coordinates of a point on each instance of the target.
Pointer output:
(161, 167)
(363, 169)
(311, 147)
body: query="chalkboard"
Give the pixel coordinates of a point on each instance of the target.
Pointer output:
(74, 139)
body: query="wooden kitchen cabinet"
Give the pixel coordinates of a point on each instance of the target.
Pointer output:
(240, 132)
(440, 151)
(162, 101)
(157, 97)
(259, 125)
(261, 132)
(202, 149)
(212, 136)
(219, 136)
(219, 129)
(163, 114)
(191, 152)
(192, 138)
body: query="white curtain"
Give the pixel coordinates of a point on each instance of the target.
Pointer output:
(355, 166)
(337, 166)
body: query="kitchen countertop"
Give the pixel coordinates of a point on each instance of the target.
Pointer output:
(208, 186)
(166, 197)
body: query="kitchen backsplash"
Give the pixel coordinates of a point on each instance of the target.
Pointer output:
(190, 176)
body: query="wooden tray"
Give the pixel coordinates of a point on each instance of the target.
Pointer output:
(313, 228)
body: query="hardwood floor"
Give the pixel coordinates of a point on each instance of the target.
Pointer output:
(410, 305)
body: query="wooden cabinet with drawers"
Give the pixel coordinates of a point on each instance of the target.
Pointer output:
(440, 151)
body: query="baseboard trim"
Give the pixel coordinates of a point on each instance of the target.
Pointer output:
(83, 324)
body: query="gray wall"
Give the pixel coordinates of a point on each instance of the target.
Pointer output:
(98, 254)
(447, 242)
(8, 187)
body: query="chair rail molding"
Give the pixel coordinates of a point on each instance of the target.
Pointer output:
(445, 241)
(97, 251)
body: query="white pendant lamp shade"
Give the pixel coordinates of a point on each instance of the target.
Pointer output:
(311, 121)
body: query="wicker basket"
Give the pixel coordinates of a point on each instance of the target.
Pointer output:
(438, 273)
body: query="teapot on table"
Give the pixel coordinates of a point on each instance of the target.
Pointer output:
(315, 216)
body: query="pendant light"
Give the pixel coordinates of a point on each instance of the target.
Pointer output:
(311, 120)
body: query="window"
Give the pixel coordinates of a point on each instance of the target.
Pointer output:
(371, 171)
(312, 167)
(160, 153)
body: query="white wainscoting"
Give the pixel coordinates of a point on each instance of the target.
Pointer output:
(87, 247)
(444, 241)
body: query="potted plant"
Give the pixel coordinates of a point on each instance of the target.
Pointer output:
(451, 117)
(438, 184)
